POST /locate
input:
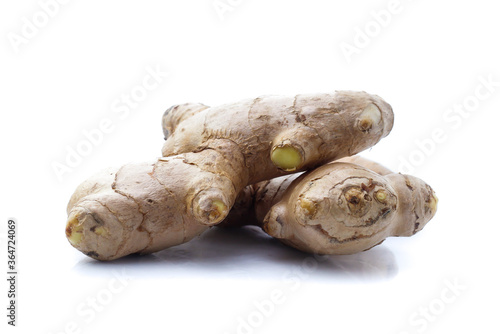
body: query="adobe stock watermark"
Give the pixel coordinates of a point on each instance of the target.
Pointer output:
(453, 118)
(121, 108)
(265, 308)
(425, 315)
(363, 36)
(88, 310)
(31, 26)
(222, 7)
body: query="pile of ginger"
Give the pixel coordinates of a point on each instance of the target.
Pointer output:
(285, 164)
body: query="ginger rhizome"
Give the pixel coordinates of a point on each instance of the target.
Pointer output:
(276, 134)
(343, 207)
(210, 155)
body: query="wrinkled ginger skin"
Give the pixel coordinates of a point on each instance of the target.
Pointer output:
(143, 208)
(178, 113)
(210, 155)
(279, 134)
(338, 208)
(255, 201)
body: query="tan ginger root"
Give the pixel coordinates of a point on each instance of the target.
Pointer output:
(276, 133)
(339, 208)
(143, 208)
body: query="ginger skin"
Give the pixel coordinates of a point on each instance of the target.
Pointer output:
(277, 134)
(339, 208)
(143, 208)
(210, 155)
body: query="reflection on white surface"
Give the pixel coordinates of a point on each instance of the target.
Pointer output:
(248, 253)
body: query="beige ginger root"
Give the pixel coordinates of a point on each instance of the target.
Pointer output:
(213, 153)
(143, 208)
(339, 208)
(277, 134)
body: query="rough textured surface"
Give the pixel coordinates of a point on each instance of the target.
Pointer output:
(318, 128)
(143, 208)
(255, 201)
(339, 208)
(211, 154)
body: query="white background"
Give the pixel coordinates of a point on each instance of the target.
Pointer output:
(428, 59)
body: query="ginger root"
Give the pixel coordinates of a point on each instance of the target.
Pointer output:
(143, 208)
(210, 155)
(340, 208)
(279, 134)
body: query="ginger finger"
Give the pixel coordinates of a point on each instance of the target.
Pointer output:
(279, 134)
(338, 208)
